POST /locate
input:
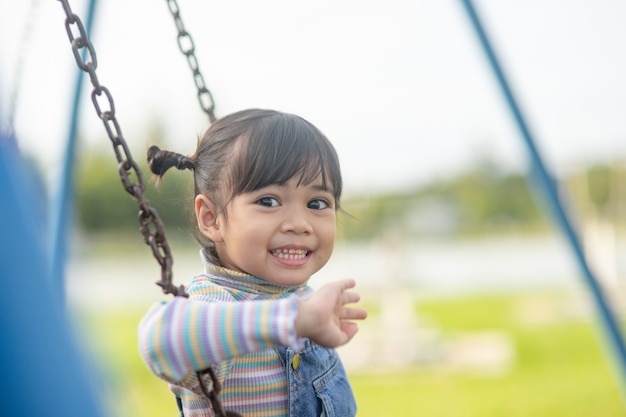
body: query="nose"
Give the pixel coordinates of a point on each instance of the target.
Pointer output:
(297, 221)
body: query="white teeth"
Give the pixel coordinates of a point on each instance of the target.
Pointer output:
(289, 253)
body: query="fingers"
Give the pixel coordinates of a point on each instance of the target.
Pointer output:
(353, 314)
(334, 323)
(349, 329)
(350, 297)
(346, 284)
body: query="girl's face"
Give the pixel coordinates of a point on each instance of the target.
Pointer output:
(280, 233)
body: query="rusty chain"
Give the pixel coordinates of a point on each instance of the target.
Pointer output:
(151, 226)
(218, 409)
(188, 49)
(207, 104)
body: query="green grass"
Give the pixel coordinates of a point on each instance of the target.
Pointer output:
(561, 367)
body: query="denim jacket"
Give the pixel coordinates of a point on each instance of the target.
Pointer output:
(318, 384)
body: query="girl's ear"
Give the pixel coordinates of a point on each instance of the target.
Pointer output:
(208, 221)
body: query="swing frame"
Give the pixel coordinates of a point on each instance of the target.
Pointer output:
(151, 225)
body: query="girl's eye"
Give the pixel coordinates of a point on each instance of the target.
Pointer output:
(318, 204)
(268, 202)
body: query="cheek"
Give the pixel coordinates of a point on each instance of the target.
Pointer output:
(327, 233)
(250, 235)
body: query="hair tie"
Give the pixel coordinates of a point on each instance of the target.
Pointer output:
(184, 163)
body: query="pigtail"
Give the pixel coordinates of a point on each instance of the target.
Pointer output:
(160, 161)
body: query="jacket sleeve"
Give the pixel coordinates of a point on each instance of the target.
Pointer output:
(180, 337)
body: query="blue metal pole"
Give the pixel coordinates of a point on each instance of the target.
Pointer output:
(42, 368)
(65, 196)
(551, 193)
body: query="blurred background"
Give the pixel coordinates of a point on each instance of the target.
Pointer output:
(477, 306)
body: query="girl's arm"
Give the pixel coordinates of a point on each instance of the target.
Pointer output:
(184, 336)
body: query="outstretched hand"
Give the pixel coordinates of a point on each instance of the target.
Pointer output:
(326, 319)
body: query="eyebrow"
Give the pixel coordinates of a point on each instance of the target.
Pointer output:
(321, 187)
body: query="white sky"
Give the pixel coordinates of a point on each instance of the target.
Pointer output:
(401, 87)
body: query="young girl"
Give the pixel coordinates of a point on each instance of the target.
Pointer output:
(267, 190)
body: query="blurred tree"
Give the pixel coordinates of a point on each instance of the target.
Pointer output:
(482, 200)
(103, 205)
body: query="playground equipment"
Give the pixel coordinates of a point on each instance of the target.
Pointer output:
(42, 351)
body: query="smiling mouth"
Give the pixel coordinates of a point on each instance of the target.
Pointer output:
(290, 253)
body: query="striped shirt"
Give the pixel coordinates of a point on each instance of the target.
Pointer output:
(233, 321)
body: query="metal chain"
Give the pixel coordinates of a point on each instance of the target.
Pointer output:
(218, 409)
(151, 226)
(207, 104)
(187, 47)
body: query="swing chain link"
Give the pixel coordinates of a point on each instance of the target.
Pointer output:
(187, 47)
(151, 226)
(212, 394)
